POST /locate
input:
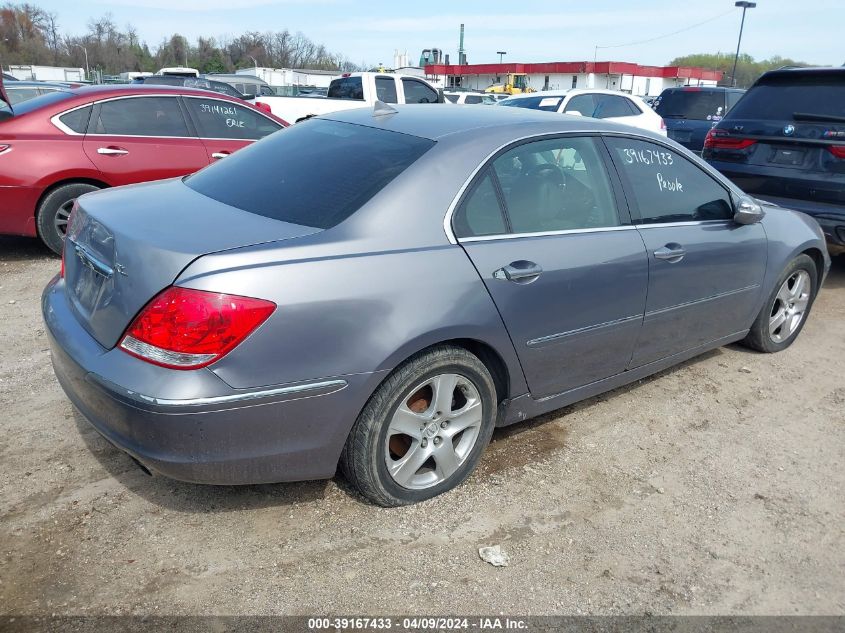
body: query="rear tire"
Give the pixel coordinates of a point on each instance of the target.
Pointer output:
(786, 310)
(423, 430)
(53, 213)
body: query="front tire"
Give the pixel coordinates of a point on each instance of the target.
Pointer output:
(786, 310)
(423, 431)
(54, 211)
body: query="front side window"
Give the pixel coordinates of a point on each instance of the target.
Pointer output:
(666, 186)
(418, 92)
(141, 116)
(223, 119)
(451, 98)
(386, 89)
(549, 185)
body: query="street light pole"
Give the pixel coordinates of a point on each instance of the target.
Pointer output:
(84, 50)
(745, 6)
(501, 54)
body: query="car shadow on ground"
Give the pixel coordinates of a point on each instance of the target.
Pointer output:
(19, 249)
(199, 498)
(195, 498)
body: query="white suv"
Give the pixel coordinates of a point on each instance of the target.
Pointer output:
(599, 104)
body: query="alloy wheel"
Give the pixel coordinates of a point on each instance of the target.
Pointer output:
(790, 306)
(62, 217)
(433, 431)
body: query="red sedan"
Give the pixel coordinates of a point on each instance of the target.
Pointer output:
(58, 146)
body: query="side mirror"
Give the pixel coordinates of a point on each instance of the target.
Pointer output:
(748, 211)
(573, 112)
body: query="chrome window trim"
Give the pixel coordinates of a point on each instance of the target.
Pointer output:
(64, 128)
(659, 225)
(513, 236)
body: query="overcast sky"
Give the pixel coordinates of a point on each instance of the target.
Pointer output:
(529, 30)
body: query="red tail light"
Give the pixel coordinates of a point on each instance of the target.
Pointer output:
(720, 139)
(62, 272)
(837, 150)
(263, 107)
(183, 328)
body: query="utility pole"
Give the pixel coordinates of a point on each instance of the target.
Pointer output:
(84, 50)
(745, 6)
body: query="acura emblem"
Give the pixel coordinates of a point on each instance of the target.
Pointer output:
(788, 129)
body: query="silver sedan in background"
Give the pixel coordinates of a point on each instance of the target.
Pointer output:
(379, 289)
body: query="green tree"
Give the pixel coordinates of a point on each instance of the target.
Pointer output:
(747, 68)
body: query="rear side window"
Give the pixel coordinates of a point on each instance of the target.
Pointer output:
(386, 89)
(782, 98)
(481, 213)
(316, 173)
(346, 88)
(610, 106)
(690, 103)
(472, 99)
(556, 185)
(666, 186)
(141, 116)
(549, 104)
(77, 120)
(223, 119)
(585, 104)
(418, 92)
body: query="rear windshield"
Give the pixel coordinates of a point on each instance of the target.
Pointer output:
(549, 104)
(346, 88)
(316, 173)
(781, 98)
(691, 104)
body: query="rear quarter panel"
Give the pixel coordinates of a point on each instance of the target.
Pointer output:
(353, 313)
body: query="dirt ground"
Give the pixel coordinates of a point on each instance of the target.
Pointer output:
(717, 487)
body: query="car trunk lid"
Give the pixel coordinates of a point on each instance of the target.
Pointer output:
(125, 245)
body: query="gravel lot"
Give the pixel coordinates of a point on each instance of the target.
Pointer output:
(714, 487)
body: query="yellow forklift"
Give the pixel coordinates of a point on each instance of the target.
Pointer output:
(515, 84)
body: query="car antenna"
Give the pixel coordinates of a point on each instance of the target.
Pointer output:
(380, 108)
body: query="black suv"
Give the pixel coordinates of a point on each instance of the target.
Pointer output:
(785, 142)
(690, 112)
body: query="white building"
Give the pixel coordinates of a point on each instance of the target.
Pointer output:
(622, 76)
(47, 73)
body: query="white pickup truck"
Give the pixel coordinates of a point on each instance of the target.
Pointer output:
(354, 90)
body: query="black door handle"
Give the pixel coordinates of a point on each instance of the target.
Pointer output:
(672, 253)
(520, 271)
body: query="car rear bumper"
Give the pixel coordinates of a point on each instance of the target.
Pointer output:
(218, 435)
(17, 210)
